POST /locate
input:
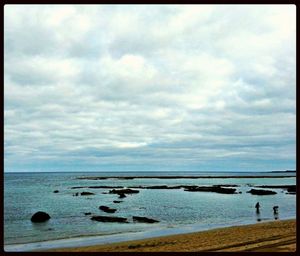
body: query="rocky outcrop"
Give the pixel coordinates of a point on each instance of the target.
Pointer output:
(143, 219)
(107, 209)
(261, 192)
(124, 191)
(122, 195)
(109, 219)
(95, 187)
(117, 202)
(55, 191)
(227, 185)
(87, 213)
(291, 189)
(215, 189)
(86, 193)
(40, 217)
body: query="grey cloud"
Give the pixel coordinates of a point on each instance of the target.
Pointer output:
(149, 85)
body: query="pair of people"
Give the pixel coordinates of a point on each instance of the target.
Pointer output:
(275, 210)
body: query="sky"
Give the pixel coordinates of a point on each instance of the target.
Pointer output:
(149, 87)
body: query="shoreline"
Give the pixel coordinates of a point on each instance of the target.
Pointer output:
(271, 236)
(91, 243)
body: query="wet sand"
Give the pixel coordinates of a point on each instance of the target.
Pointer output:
(275, 236)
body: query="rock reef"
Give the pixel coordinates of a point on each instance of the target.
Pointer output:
(216, 189)
(107, 209)
(143, 219)
(261, 192)
(109, 219)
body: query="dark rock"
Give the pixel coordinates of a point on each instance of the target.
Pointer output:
(87, 213)
(215, 189)
(122, 195)
(95, 187)
(55, 191)
(117, 202)
(109, 219)
(158, 187)
(261, 192)
(124, 191)
(40, 217)
(86, 193)
(227, 185)
(107, 209)
(289, 188)
(143, 219)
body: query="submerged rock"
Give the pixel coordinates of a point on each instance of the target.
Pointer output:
(215, 189)
(109, 219)
(124, 191)
(95, 187)
(87, 213)
(122, 195)
(117, 202)
(86, 193)
(107, 209)
(40, 217)
(144, 219)
(55, 191)
(261, 192)
(291, 189)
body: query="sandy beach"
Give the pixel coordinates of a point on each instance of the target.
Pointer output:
(275, 236)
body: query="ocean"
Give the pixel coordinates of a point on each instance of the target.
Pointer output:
(177, 211)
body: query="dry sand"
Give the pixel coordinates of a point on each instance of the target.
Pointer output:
(275, 236)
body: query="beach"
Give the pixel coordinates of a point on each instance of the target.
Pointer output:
(273, 236)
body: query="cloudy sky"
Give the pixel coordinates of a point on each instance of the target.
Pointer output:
(205, 87)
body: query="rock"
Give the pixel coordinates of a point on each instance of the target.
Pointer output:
(95, 187)
(86, 193)
(87, 213)
(55, 191)
(143, 219)
(107, 209)
(158, 187)
(124, 191)
(215, 189)
(291, 193)
(227, 185)
(122, 195)
(261, 192)
(109, 219)
(117, 202)
(40, 217)
(291, 189)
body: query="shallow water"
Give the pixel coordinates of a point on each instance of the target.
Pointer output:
(26, 193)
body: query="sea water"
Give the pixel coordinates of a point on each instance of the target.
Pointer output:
(177, 210)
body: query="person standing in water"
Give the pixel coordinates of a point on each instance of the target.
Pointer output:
(257, 206)
(275, 211)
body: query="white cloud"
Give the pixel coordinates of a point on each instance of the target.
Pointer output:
(177, 85)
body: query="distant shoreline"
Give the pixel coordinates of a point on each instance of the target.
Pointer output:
(180, 177)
